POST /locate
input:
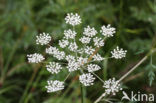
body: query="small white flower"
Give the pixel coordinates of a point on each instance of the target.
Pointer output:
(35, 58)
(73, 46)
(82, 60)
(97, 57)
(70, 58)
(85, 40)
(93, 67)
(54, 86)
(89, 50)
(98, 42)
(107, 31)
(90, 32)
(112, 86)
(53, 67)
(51, 50)
(55, 52)
(69, 34)
(63, 43)
(43, 39)
(118, 53)
(73, 66)
(59, 55)
(73, 19)
(87, 79)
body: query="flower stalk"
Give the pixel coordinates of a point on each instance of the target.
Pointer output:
(129, 72)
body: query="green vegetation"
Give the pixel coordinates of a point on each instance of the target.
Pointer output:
(22, 20)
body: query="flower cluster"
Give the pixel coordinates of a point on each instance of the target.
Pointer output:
(53, 67)
(73, 19)
(77, 52)
(107, 30)
(43, 39)
(35, 58)
(112, 86)
(118, 53)
(87, 79)
(55, 52)
(98, 42)
(90, 32)
(69, 34)
(93, 67)
(54, 86)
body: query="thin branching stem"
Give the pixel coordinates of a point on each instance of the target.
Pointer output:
(29, 83)
(99, 99)
(67, 77)
(82, 94)
(124, 76)
(138, 64)
(97, 77)
(82, 88)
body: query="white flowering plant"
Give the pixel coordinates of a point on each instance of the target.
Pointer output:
(79, 52)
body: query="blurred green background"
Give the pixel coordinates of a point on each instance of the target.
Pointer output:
(22, 20)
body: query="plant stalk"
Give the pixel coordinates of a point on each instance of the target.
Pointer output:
(82, 94)
(124, 76)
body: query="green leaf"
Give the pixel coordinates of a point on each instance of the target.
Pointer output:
(151, 76)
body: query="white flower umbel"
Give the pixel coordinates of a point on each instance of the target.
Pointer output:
(35, 58)
(70, 58)
(43, 39)
(53, 67)
(93, 67)
(76, 53)
(73, 19)
(107, 31)
(69, 34)
(90, 32)
(59, 55)
(98, 42)
(73, 46)
(51, 50)
(89, 50)
(55, 52)
(73, 66)
(118, 53)
(63, 43)
(82, 60)
(97, 57)
(112, 86)
(54, 86)
(87, 79)
(85, 40)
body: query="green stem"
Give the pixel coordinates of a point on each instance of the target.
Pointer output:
(105, 62)
(97, 77)
(66, 91)
(138, 64)
(67, 77)
(82, 94)
(124, 76)
(29, 84)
